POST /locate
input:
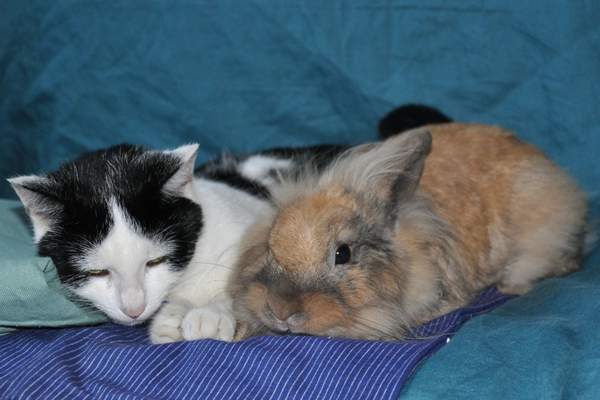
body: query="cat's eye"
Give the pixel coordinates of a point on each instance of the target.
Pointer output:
(97, 272)
(342, 254)
(156, 261)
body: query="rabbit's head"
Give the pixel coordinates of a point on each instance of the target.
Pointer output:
(331, 262)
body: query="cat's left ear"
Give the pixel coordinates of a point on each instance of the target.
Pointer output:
(181, 181)
(41, 204)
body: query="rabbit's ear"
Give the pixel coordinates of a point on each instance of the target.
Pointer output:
(391, 168)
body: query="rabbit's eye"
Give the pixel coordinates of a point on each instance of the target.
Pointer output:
(342, 254)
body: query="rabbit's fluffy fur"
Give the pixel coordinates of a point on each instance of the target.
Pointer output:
(430, 216)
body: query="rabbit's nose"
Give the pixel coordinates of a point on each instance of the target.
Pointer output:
(281, 310)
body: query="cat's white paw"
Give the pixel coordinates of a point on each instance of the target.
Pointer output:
(208, 322)
(166, 324)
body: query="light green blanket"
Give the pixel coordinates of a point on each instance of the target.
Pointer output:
(30, 292)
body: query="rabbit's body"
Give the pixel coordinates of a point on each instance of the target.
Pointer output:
(397, 233)
(512, 216)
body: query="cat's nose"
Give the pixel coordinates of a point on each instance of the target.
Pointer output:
(133, 301)
(134, 312)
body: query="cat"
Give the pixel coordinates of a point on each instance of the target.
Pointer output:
(140, 235)
(127, 225)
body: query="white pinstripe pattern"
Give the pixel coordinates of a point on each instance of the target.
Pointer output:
(329, 378)
(313, 372)
(364, 393)
(247, 381)
(296, 373)
(353, 370)
(408, 357)
(116, 362)
(166, 386)
(239, 381)
(218, 383)
(275, 390)
(274, 360)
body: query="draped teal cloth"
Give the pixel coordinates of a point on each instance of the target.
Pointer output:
(245, 75)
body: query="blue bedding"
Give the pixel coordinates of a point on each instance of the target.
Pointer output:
(118, 362)
(245, 75)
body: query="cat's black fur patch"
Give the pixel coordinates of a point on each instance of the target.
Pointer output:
(403, 118)
(410, 116)
(224, 169)
(319, 156)
(82, 189)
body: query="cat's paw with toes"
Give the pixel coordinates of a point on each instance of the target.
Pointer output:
(208, 322)
(166, 325)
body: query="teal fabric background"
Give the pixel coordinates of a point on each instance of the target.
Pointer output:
(543, 345)
(80, 75)
(245, 75)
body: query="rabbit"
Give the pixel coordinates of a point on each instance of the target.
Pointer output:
(397, 233)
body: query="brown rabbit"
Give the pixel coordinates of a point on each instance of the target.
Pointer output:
(396, 233)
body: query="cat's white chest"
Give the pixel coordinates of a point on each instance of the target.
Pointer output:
(198, 306)
(227, 214)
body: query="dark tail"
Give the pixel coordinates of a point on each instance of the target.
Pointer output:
(408, 117)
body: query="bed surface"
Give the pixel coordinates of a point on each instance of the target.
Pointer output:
(77, 76)
(113, 361)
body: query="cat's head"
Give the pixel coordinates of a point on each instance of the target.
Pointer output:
(119, 225)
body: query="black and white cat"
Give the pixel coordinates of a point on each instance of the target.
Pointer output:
(137, 234)
(128, 228)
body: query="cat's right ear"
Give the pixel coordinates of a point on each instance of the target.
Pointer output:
(181, 181)
(41, 207)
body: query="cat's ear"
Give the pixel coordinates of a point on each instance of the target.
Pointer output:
(181, 181)
(391, 169)
(41, 206)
